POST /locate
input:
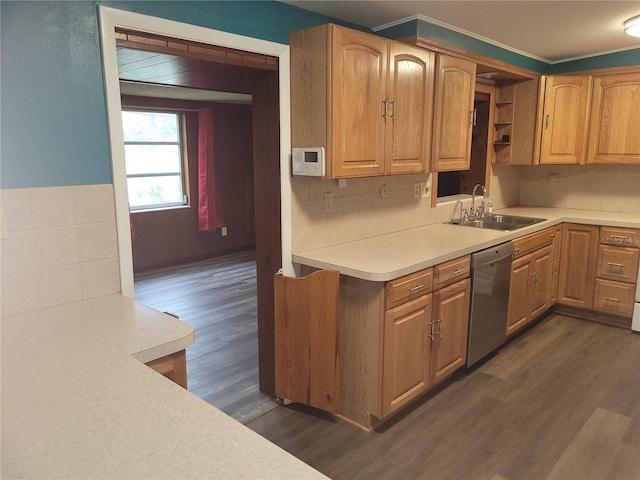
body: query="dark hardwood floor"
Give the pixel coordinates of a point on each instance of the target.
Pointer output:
(218, 297)
(561, 401)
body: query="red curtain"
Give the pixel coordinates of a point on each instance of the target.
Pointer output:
(210, 215)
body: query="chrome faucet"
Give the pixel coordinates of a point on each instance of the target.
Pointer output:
(473, 200)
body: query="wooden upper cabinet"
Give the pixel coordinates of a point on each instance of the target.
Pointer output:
(453, 113)
(364, 98)
(615, 119)
(357, 92)
(564, 120)
(410, 94)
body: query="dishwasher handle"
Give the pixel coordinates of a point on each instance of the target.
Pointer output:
(492, 255)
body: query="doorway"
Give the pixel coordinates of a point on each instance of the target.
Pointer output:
(271, 167)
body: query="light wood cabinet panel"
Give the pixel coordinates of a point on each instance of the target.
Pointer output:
(450, 272)
(539, 300)
(408, 288)
(407, 350)
(618, 263)
(453, 113)
(556, 250)
(613, 297)
(577, 265)
(519, 286)
(529, 288)
(365, 99)
(408, 120)
(515, 116)
(357, 122)
(451, 325)
(564, 120)
(532, 242)
(615, 119)
(173, 366)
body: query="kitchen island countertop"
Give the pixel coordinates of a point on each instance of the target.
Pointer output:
(393, 255)
(78, 402)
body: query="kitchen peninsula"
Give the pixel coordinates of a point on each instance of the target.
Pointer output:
(79, 402)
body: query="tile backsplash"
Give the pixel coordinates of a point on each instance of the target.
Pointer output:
(614, 188)
(359, 211)
(58, 246)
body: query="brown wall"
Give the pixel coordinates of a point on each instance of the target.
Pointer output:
(170, 237)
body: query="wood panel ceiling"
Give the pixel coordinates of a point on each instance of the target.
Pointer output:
(161, 60)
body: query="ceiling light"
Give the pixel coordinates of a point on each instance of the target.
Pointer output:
(632, 26)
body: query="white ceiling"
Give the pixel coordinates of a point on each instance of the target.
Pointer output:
(552, 31)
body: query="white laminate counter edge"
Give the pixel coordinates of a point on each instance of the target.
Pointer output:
(77, 403)
(387, 257)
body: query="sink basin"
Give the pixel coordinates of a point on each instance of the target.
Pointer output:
(498, 222)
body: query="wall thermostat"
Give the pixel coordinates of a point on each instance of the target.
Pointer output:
(308, 161)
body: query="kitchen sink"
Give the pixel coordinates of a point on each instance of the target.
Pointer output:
(498, 222)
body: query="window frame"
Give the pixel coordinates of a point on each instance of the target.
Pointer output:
(184, 161)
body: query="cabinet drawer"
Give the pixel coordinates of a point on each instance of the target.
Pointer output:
(624, 237)
(451, 271)
(613, 297)
(534, 241)
(407, 288)
(618, 263)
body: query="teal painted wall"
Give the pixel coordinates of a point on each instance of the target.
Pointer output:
(53, 114)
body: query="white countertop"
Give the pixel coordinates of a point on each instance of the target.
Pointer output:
(390, 256)
(77, 402)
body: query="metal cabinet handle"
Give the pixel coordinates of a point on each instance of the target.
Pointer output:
(475, 117)
(416, 288)
(615, 264)
(547, 121)
(431, 336)
(612, 299)
(440, 329)
(516, 250)
(621, 237)
(457, 272)
(386, 105)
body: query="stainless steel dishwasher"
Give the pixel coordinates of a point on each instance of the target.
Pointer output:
(490, 277)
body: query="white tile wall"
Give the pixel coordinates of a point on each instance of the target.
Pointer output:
(614, 188)
(360, 212)
(59, 246)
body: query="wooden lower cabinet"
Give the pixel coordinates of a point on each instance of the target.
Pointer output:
(173, 366)
(556, 250)
(530, 288)
(578, 265)
(451, 325)
(407, 352)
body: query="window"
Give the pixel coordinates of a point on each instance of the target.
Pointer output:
(153, 148)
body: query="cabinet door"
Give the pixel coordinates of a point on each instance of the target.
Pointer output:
(577, 265)
(453, 114)
(615, 119)
(555, 263)
(410, 96)
(564, 120)
(451, 325)
(406, 355)
(358, 92)
(519, 287)
(540, 282)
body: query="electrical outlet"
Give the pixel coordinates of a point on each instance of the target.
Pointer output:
(224, 231)
(328, 202)
(416, 190)
(554, 178)
(384, 191)
(424, 189)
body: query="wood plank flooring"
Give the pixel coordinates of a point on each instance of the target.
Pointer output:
(561, 401)
(218, 297)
